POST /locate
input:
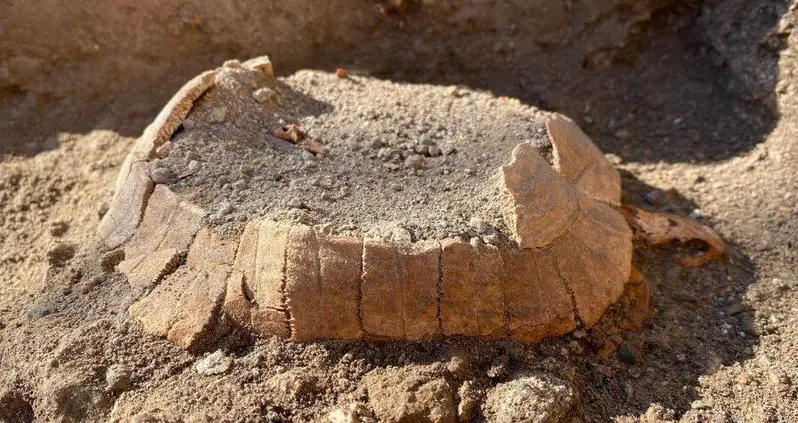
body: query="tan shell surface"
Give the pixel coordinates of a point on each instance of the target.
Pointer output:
(570, 259)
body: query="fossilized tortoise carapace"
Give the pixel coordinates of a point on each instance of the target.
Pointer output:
(406, 212)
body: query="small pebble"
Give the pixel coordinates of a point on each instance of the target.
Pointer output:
(58, 228)
(499, 367)
(263, 95)
(377, 143)
(576, 347)
(655, 197)
(295, 203)
(162, 175)
(424, 139)
(623, 134)
(188, 124)
(224, 208)
(118, 378)
(414, 161)
(218, 115)
(38, 311)
(246, 170)
(214, 364)
(447, 149)
(434, 151)
(579, 334)
(60, 253)
(478, 225)
(396, 187)
(386, 153)
(458, 366)
(193, 167)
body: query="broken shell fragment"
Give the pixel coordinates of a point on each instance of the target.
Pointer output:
(657, 228)
(290, 133)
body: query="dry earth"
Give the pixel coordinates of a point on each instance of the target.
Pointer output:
(696, 101)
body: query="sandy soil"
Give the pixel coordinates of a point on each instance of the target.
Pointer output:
(702, 115)
(422, 158)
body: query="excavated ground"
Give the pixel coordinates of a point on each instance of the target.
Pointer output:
(698, 104)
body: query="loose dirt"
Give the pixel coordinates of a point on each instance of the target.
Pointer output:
(697, 102)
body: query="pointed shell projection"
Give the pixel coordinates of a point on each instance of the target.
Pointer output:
(571, 259)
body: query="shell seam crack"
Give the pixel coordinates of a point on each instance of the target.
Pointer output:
(360, 289)
(172, 267)
(571, 294)
(219, 313)
(320, 287)
(283, 297)
(400, 270)
(439, 289)
(207, 334)
(505, 308)
(604, 224)
(182, 258)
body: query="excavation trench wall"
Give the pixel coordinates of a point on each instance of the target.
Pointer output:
(73, 61)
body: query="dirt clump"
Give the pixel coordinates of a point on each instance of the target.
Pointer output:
(412, 394)
(530, 399)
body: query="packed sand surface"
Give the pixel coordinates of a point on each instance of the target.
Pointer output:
(694, 103)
